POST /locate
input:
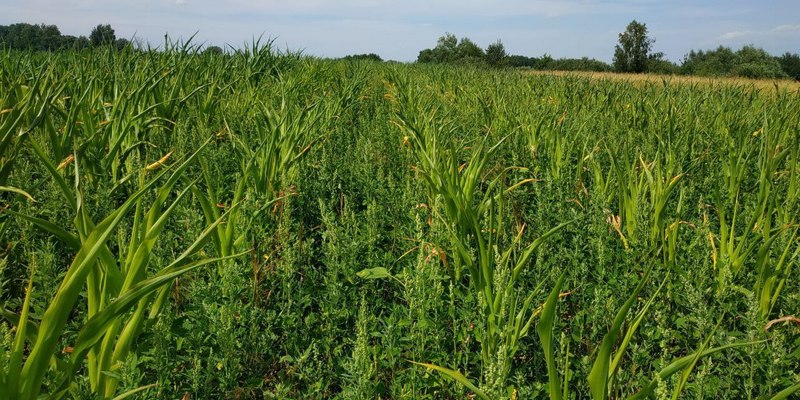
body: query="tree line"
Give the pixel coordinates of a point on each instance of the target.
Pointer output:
(450, 49)
(41, 37)
(632, 54)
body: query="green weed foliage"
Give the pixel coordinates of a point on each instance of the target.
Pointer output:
(263, 224)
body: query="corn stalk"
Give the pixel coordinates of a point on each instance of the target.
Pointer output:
(475, 222)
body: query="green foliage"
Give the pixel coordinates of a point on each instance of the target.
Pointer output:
(107, 303)
(548, 63)
(658, 65)
(453, 51)
(365, 57)
(102, 35)
(467, 49)
(390, 213)
(24, 36)
(216, 50)
(790, 63)
(748, 62)
(496, 55)
(756, 63)
(633, 51)
(446, 50)
(41, 37)
(545, 330)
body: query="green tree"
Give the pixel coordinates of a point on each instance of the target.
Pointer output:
(24, 36)
(50, 38)
(102, 35)
(468, 49)
(496, 54)
(754, 62)
(657, 63)
(718, 62)
(213, 50)
(82, 42)
(749, 62)
(574, 64)
(365, 57)
(121, 43)
(447, 50)
(632, 52)
(790, 63)
(518, 61)
(426, 56)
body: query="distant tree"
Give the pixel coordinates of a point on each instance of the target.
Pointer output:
(102, 35)
(754, 62)
(24, 36)
(496, 54)
(367, 57)
(82, 42)
(446, 47)
(17, 36)
(546, 61)
(749, 62)
(213, 50)
(446, 50)
(660, 65)
(468, 49)
(575, 64)
(718, 62)
(426, 56)
(69, 42)
(121, 43)
(50, 37)
(517, 61)
(633, 50)
(790, 63)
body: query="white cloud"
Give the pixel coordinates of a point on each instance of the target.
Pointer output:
(735, 35)
(787, 28)
(780, 30)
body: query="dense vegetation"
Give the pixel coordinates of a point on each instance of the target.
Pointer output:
(633, 54)
(269, 225)
(548, 63)
(24, 36)
(749, 62)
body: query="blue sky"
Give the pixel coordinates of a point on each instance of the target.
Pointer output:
(398, 29)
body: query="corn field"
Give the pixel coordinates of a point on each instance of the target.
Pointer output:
(264, 224)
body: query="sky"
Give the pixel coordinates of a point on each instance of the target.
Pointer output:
(399, 29)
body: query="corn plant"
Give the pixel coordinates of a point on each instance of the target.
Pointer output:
(115, 286)
(476, 224)
(631, 185)
(736, 246)
(283, 135)
(771, 274)
(761, 230)
(700, 181)
(661, 187)
(22, 109)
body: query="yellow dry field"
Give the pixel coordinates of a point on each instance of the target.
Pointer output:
(769, 84)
